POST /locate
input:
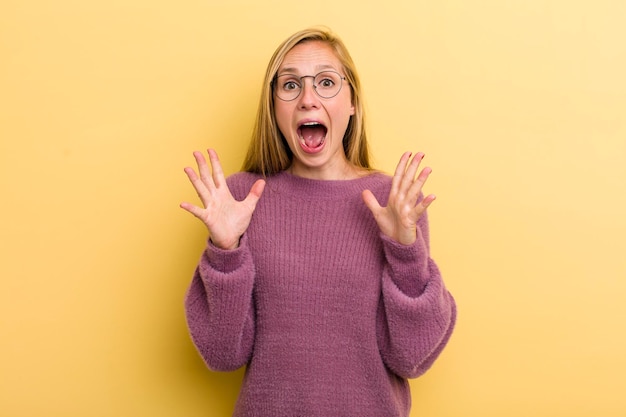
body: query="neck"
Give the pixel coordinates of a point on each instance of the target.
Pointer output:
(346, 171)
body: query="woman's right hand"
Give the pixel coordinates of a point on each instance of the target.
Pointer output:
(226, 218)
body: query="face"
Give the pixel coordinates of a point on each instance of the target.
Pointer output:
(314, 126)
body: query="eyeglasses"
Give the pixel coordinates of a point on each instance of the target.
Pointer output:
(326, 84)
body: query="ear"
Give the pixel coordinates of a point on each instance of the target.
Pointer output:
(352, 110)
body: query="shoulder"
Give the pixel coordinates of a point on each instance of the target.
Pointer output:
(379, 183)
(378, 179)
(241, 182)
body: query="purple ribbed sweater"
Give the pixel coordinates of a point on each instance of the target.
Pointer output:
(330, 316)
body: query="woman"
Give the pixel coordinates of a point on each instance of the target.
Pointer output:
(317, 275)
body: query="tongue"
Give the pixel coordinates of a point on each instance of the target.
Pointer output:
(313, 135)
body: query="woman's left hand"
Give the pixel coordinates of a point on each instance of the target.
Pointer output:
(398, 220)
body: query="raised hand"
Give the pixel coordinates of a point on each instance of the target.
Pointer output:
(226, 218)
(398, 220)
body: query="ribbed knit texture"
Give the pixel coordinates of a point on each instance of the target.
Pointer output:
(329, 315)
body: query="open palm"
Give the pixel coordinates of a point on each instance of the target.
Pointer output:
(398, 220)
(226, 218)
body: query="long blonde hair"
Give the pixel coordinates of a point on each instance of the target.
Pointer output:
(268, 152)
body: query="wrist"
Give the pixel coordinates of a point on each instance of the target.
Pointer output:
(224, 245)
(406, 238)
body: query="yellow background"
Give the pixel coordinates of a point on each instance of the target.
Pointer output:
(519, 105)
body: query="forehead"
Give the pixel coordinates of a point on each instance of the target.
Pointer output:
(309, 57)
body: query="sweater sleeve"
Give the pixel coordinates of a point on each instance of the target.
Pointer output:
(416, 314)
(219, 307)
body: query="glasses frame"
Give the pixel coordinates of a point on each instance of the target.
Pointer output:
(301, 79)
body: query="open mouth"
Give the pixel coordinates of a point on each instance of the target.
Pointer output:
(312, 134)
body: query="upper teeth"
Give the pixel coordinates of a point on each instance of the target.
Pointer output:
(310, 124)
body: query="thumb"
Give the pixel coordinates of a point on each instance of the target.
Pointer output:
(255, 193)
(370, 201)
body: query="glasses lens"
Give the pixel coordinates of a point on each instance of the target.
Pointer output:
(288, 87)
(327, 84)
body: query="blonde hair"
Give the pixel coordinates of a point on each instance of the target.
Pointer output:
(268, 152)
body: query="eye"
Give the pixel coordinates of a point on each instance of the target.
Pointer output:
(326, 82)
(288, 82)
(290, 85)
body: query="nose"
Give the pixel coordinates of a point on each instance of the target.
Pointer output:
(308, 97)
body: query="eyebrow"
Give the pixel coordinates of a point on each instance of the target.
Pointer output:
(292, 70)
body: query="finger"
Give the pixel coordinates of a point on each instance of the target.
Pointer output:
(195, 180)
(370, 201)
(193, 209)
(401, 167)
(257, 188)
(216, 168)
(416, 188)
(428, 200)
(409, 176)
(255, 194)
(399, 173)
(417, 160)
(198, 185)
(203, 169)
